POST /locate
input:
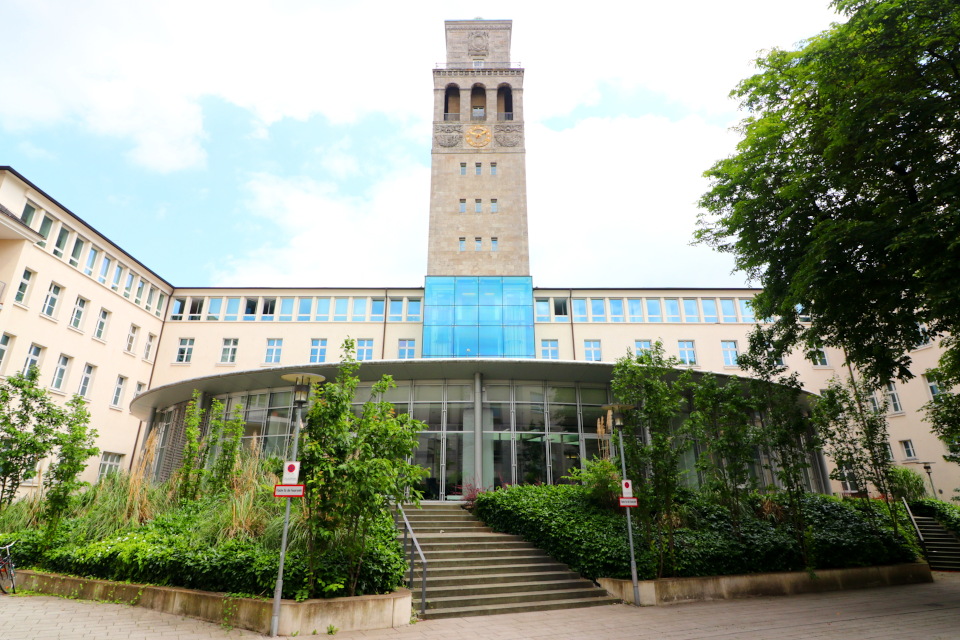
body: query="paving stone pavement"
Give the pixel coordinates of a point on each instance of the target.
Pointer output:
(928, 611)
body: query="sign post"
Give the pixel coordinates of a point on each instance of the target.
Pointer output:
(627, 500)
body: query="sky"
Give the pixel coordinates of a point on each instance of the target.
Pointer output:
(287, 143)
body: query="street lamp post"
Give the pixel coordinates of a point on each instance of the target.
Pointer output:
(929, 470)
(617, 415)
(302, 383)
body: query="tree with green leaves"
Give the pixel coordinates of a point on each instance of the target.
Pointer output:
(353, 464)
(29, 420)
(657, 438)
(73, 445)
(843, 197)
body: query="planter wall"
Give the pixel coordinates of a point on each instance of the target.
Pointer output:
(677, 590)
(347, 614)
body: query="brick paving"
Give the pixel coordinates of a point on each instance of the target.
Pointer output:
(928, 611)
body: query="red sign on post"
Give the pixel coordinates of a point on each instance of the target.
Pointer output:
(288, 490)
(628, 502)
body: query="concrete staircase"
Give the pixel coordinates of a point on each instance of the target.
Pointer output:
(472, 571)
(942, 547)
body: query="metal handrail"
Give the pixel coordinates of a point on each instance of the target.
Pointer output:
(407, 528)
(915, 526)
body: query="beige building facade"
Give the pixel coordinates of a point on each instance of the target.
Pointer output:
(508, 377)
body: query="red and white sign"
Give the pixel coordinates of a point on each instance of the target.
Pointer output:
(288, 490)
(291, 472)
(628, 502)
(627, 488)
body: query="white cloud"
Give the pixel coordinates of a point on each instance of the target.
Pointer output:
(31, 150)
(321, 237)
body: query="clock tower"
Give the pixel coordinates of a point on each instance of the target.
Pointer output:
(478, 196)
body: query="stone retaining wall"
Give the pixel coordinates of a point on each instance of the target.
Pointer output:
(677, 590)
(302, 618)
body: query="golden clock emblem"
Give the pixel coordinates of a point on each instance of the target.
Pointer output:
(478, 136)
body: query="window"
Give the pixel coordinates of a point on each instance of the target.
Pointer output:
(591, 350)
(634, 310)
(893, 398)
(709, 306)
(395, 310)
(413, 310)
(233, 310)
(493, 168)
(128, 284)
(33, 358)
(286, 309)
(728, 310)
(746, 311)
(494, 244)
(376, 310)
(478, 206)
(616, 310)
(61, 245)
(117, 276)
(160, 301)
(196, 309)
(494, 206)
(101, 327)
(85, 380)
(819, 358)
(140, 388)
(60, 372)
(340, 309)
(76, 253)
(50, 303)
(359, 310)
(579, 310)
(932, 385)
(27, 216)
(76, 317)
(478, 244)
(141, 283)
(848, 480)
(91, 261)
(672, 308)
(639, 346)
(132, 338)
(4, 346)
(250, 309)
(109, 463)
(463, 244)
(214, 307)
(21, 296)
(118, 391)
(45, 227)
(318, 350)
(407, 349)
(598, 310)
(463, 168)
(908, 450)
(228, 354)
(690, 311)
(729, 348)
(653, 310)
(176, 311)
(365, 349)
(148, 347)
(688, 354)
(304, 309)
(463, 205)
(542, 307)
(104, 269)
(560, 312)
(478, 168)
(274, 349)
(550, 349)
(185, 350)
(268, 307)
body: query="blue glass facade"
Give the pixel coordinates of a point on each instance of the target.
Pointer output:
(478, 317)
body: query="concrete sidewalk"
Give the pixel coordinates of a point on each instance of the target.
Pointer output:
(928, 611)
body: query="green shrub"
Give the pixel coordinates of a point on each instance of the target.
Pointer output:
(946, 514)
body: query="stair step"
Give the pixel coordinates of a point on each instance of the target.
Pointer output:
(513, 597)
(467, 553)
(541, 559)
(498, 578)
(446, 569)
(498, 545)
(486, 610)
(436, 592)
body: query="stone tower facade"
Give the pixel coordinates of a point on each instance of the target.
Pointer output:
(478, 194)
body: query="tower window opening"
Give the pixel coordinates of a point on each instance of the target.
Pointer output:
(478, 103)
(504, 102)
(478, 244)
(451, 103)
